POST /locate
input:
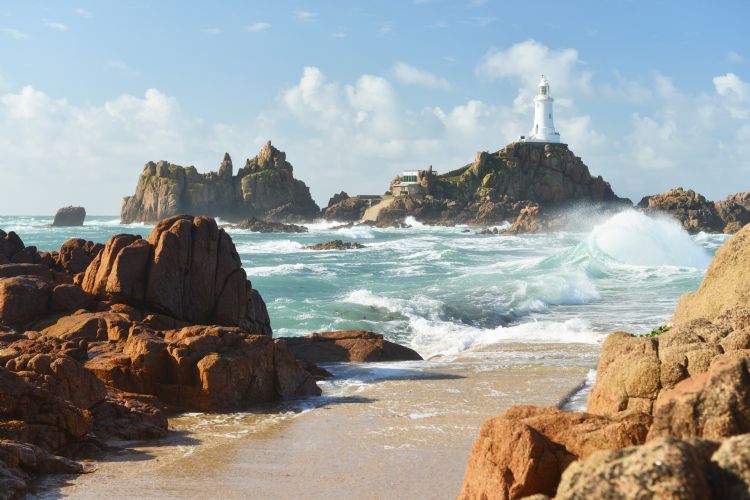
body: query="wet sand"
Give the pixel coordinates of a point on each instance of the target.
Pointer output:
(397, 430)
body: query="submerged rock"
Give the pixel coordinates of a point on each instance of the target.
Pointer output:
(335, 245)
(260, 226)
(348, 345)
(264, 188)
(69, 216)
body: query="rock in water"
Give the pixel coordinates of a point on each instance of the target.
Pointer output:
(261, 226)
(69, 216)
(264, 188)
(348, 346)
(335, 245)
(696, 214)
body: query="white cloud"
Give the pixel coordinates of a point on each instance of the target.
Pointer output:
(483, 21)
(305, 15)
(524, 62)
(84, 13)
(121, 67)
(385, 28)
(212, 31)
(14, 33)
(411, 75)
(735, 94)
(735, 57)
(56, 25)
(339, 34)
(258, 27)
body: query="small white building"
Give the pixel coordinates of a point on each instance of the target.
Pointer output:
(407, 184)
(544, 125)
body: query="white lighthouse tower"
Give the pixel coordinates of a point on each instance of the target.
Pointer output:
(544, 125)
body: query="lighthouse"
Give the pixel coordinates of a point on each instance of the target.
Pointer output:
(544, 125)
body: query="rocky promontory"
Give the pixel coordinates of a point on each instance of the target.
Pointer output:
(696, 213)
(264, 188)
(494, 188)
(668, 416)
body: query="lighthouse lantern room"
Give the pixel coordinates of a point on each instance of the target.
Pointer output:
(544, 125)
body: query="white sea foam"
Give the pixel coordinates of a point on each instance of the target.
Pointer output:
(270, 246)
(632, 237)
(284, 269)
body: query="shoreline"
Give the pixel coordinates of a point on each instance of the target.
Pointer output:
(403, 428)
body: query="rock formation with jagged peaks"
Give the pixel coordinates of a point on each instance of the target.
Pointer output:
(265, 188)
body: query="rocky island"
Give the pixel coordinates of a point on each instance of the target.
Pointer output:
(264, 188)
(522, 178)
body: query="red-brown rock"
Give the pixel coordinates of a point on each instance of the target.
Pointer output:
(525, 450)
(711, 405)
(23, 299)
(69, 298)
(31, 414)
(188, 269)
(348, 345)
(91, 326)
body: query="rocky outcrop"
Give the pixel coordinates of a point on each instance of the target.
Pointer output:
(497, 186)
(335, 245)
(95, 340)
(525, 450)
(265, 188)
(348, 346)
(725, 285)
(696, 214)
(188, 269)
(19, 460)
(69, 216)
(261, 226)
(206, 368)
(343, 208)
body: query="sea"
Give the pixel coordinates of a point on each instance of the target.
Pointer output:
(500, 320)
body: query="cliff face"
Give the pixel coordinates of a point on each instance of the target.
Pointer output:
(497, 186)
(264, 188)
(696, 214)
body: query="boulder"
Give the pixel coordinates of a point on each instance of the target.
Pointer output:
(188, 269)
(129, 416)
(725, 285)
(90, 326)
(69, 216)
(712, 405)
(69, 298)
(729, 475)
(206, 368)
(15, 270)
(23, 299)
(19, 460)
(666, 468)
(348, 346)
(76, 254)
(525, 450)
(10, 245)
(61, 375)
(35, 415)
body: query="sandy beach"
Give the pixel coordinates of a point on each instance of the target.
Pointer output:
(398, 430)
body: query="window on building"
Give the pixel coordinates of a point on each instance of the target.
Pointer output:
(544, 90)
(550, 116)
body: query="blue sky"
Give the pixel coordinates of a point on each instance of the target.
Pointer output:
(650, 94)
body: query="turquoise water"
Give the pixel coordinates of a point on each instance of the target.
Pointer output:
(445, 290)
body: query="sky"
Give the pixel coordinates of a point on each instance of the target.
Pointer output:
(650, 94)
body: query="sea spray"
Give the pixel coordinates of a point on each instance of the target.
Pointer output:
(632, 237)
